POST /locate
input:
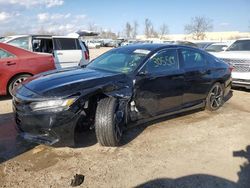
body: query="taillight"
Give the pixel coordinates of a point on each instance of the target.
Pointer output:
(231, 68)
(86, 54)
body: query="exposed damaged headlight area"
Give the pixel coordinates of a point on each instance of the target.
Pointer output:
(52, 105)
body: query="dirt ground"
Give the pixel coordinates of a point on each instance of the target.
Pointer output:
(200, 149)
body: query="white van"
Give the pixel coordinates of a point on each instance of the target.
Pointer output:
(68, 51)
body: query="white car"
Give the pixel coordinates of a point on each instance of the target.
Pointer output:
(238, 55)
(68, 51)
(217, 47)
(92, 44)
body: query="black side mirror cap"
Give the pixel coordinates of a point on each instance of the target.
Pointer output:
(142, 73)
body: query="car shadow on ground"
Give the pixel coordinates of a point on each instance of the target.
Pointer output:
(85, 139)
(11, 145)
(206, 180)
(134, 131)
(241, 89)
(7, 97)
(88, 138)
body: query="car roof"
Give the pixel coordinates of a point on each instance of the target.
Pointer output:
(221, 43)
(36, 35)
(243, 39)
(153, 46)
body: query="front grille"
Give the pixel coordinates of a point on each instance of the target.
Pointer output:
(241, 68)
(240, 65)
(19, 107)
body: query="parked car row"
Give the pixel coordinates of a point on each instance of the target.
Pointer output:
(68, 51)
(97, 43)
(18, 64)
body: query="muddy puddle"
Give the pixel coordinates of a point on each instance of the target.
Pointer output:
(41, 157)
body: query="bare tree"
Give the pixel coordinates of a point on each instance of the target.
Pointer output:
(135, 28)
(149, 29)
(148, 25)
(128, 30)
(163, 30)
(108, 34)
(198, 26)
(153, 32)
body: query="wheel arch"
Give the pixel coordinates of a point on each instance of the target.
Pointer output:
(14, 76)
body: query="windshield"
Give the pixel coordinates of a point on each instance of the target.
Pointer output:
(201, 44)
(241, 45)
(119, 60)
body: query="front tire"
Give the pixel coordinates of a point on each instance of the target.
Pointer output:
(109, 120)
(215, 97)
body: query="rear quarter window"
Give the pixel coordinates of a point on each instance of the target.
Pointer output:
(66, 44)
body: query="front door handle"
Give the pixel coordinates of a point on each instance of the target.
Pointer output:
(9, 63)
(59, 53)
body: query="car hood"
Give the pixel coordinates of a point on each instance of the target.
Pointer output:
(232, 54)
(69, 82)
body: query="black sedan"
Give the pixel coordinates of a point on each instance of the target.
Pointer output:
(124, 86)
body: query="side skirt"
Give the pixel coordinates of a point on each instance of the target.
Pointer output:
(142, 121)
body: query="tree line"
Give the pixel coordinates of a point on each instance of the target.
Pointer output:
(197, 27)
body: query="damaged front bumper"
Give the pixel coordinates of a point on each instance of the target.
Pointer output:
(45, 127)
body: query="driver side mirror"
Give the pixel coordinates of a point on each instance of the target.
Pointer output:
(142, 73)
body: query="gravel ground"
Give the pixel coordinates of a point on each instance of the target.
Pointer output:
(190, 150)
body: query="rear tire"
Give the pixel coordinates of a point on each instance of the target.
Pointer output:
(215, 97)
(109, 120)
(16, 81)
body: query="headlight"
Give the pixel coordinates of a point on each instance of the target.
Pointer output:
(58, 104)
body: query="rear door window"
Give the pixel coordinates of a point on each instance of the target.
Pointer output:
(66, 44)
(193, 58)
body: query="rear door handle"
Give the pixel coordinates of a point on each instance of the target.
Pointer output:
(59, 53)
(9, 63)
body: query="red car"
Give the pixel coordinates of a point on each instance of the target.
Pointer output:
(17, 64)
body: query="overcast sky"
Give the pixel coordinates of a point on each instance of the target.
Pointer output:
(65, 16)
